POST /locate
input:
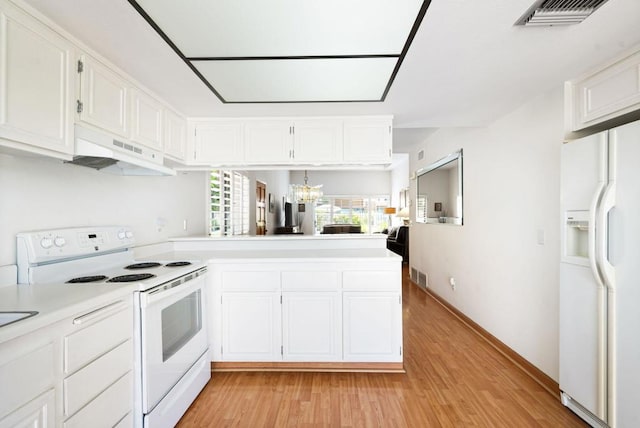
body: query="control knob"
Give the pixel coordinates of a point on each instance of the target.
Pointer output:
(59, 241)
(122, 234)
(46, 243)
(129, 234)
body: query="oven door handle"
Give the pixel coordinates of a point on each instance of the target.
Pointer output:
(170, 290)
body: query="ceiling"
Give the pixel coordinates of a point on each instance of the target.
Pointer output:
(289, 51)
(467, 65)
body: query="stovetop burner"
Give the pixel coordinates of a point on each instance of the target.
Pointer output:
(85, 279)
(131, 278)
(144, 265)
(177, 264)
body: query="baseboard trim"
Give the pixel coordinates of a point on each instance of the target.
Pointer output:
(550, 385)
(228, 366)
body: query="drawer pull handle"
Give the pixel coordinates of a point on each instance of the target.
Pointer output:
(100, 312)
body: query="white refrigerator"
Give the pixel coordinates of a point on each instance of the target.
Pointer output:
(600, 277)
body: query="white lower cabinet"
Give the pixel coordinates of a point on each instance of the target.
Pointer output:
(27, 380)
(251, 326)
(97, 364)
(311, 326)
(307, 312)
(372, 326)
(38, 413)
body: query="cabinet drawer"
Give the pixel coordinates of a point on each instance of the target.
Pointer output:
(87, 383)
(28, 375)
(84, 346)
(107, 409)
(251, 281)
(371, 280)
(310, 281)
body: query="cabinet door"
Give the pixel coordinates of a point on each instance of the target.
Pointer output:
(268, 142)
(35, 84)
(218, 143)
(311, 326)
(104, 97)
(372, 326)
(175, 136)
(251, 326)
(146, 124)
(606, 94)
(317, 141)
(40, 413)
(367, 140)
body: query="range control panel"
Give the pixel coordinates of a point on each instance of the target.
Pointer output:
(59, 244)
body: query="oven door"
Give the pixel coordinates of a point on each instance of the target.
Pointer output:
(173, 335)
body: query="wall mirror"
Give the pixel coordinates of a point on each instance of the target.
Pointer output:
(439, 191)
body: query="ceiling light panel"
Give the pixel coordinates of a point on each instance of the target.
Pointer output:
(219, 38)
(312, 80)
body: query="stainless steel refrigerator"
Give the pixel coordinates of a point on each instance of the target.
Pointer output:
(600, 277)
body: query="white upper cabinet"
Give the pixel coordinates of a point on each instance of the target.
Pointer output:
(146, 123)
(268, 141)
(603, 94)
(367, 140)
(317, 141)
(289, 141)
(103, 97)
(217, 142)
(175, 136)
(36, 89)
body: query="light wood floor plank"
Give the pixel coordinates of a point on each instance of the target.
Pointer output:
(453, 379)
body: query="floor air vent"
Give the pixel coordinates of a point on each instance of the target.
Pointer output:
(414, 275)
(422, 280)
(559, 12)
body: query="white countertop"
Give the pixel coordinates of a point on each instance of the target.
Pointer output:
(284, 237)
(251, 256)
(54, 302)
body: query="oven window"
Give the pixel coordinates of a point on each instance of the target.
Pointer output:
(180, 322)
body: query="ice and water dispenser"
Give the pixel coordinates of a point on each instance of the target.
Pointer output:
(576, 237)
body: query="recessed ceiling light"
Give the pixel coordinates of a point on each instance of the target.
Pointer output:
(289, 51)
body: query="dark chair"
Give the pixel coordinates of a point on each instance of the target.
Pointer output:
(398, 242)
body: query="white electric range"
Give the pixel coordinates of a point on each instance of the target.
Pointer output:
(171, 349)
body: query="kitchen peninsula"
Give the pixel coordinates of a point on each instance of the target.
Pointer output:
(300, 302)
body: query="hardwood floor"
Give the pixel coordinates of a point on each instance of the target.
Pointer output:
(453, 379)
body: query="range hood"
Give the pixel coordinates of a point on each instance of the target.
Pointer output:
(98, 150)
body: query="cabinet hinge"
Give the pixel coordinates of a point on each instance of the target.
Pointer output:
(280, 299)
(389, 129)
(281, 350)
(79, 106)
(401, 350)
(293, 130)
(80, 66)
(221, 350)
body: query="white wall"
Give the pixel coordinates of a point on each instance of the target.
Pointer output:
(41, 194)
(347, 183)
(399, 177)
(506, 281)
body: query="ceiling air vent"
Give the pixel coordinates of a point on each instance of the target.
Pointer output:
(559, 12)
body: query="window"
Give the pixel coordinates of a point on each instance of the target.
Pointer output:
(367, 211)
(229, 203)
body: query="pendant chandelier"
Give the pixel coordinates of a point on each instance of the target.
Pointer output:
(305, 193)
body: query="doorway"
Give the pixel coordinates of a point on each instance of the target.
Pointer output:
(261, 208)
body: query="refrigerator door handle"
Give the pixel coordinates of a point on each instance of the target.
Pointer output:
(594, 235)
(604, 265)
